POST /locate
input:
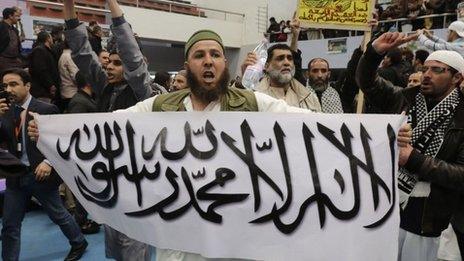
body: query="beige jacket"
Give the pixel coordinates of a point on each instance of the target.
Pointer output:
(297, 95)
(68, 70)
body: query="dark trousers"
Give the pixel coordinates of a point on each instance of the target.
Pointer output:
(80, 213)
(14, 209)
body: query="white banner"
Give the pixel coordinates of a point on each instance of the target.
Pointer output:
(261, 186)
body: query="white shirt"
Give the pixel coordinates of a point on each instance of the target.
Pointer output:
(265, 102)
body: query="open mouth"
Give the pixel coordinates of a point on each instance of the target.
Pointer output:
(110, 75)
(286, 71)
(208, 76)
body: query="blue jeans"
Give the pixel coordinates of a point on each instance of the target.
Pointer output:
(14, 208)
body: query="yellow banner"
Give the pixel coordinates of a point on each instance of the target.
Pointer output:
(336, 14)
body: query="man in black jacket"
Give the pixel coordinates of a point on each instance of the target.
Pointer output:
(40, 181)
(393, 68)
(431, 179)
(10, 43)
(83, 102)
(44, 69)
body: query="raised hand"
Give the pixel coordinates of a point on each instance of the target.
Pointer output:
(251, 59)
(390, 40)
(69, 10)
(295, 25)
(295, 28)
(115, 9)
(427, 33)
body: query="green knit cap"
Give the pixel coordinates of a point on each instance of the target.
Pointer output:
(201, 36)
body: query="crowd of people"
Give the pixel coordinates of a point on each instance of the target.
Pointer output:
(413, 9)
(87, 78)
(415, 12)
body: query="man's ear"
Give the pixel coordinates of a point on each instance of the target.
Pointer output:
(185, 65)
(266, 66)
(457, 78)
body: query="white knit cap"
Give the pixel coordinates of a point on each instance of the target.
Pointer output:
(451, 58)
(458, 27)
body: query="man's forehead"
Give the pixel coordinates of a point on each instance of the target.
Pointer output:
(280, 52)
(206, 45)
(180, 77)
(9, 77)
(115, 57)
(435, 63)
(319, 63)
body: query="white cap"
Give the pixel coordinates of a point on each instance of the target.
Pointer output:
(458, 27)
(451, 58)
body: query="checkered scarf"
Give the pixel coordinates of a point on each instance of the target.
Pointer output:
(427, 137)
(330, 100)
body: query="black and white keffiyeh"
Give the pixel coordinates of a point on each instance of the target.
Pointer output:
(428, 133)
(330, 100)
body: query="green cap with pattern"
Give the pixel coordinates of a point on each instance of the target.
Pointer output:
(201, 36)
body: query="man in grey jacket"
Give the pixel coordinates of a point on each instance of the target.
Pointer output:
(125, 82)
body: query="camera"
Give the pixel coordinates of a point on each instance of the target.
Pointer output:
(6, 95)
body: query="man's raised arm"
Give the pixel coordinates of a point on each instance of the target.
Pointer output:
(83, 55)
(135, 68)
(380, 93)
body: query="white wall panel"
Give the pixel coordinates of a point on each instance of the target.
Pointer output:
(178, 28)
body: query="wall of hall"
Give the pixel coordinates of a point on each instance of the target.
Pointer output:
(255, 14)
(282, 10)
(177, 28)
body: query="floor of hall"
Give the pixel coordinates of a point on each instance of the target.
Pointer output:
(41, 240)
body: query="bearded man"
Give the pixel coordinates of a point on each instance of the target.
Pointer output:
(414, 80)
(279, 81)
(318, 82)
(208, 79)
(431, 177)
(284, 77)
(180, 81)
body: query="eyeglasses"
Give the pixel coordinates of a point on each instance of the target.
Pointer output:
(434, 69)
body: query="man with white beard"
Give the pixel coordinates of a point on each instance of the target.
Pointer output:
(280, 83)
(280, 80)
